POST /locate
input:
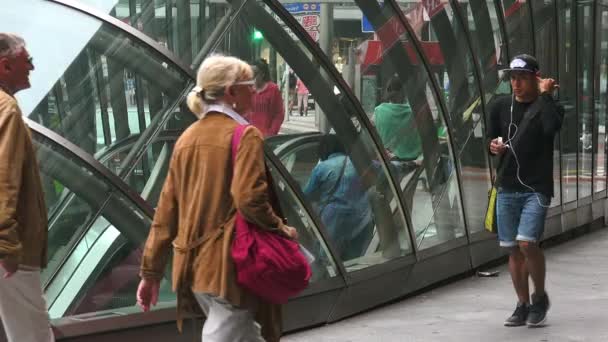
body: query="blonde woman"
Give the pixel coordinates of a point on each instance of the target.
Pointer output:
(198, 204)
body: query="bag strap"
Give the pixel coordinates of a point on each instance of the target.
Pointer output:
(528, 116)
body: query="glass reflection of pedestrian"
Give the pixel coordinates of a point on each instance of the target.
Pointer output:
(341, 199)
(292, 79)
(267, 112)
(396, 125)
(302, 97)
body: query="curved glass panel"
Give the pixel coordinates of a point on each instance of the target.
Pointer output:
(83, 244)
(93, 84)
(601, 102)
(457, 79)
(488, 43)
(323, 266)
(150, 171)
(102, 271)
(545, 34)
(341, 173)
(519, 26)
(73, 197)
(182, 26)
(567, 97)
(585, 105)
(379, 63)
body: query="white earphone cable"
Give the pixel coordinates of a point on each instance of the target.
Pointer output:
(512, 148)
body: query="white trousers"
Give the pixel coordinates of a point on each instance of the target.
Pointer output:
(23, 308)
(227, 323)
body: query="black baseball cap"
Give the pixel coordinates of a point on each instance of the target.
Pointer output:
(524, 63)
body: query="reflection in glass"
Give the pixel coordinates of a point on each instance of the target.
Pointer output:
(82, 245)
(150, 171)
(341, 199)
(267, 109)
(65, 185)
(98, 86)
(323, 266)
(394, 90)
(487, 42)
(462, 97)
(545, 35)
(585, 104)
(601, 104)
(182, 26)
(327, 112)
(102, 270)
(567, 96)
(519, 26)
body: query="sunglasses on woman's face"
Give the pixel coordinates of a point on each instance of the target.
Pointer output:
(248, 82)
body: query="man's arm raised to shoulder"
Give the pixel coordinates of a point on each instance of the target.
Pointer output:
(553, 113)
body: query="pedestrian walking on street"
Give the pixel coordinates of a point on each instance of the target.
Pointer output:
(522, 129)
(267, 110)
(23, 215)
(197, 209)
(302, 91)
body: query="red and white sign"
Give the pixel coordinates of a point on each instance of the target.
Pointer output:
(433, 6)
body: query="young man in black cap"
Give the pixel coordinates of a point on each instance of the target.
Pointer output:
(525, 181)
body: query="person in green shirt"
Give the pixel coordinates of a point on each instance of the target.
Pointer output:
(396, 124)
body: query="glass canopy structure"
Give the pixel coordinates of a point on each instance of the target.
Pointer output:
(108, 103)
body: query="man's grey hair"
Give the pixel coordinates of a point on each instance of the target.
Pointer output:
(10, 44)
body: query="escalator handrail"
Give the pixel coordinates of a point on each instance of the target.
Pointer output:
(104, 154)
(112, 179)
(286, 147)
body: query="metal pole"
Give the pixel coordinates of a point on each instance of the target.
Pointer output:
(184, 31)
(325, 39)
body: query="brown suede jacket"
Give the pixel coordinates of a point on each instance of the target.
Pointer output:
(23, 217)
(196, 212)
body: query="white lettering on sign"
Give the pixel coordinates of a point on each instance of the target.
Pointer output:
(433, 6)
(308, 15)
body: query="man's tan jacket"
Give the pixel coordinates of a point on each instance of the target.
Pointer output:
(23, 217)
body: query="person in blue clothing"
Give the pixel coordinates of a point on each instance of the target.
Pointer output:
(341, 199)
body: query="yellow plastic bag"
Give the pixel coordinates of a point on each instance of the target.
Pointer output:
(490, 223)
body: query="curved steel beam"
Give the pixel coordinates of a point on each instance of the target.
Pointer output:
(502, 23)
(130, 31)
(154, 127)
(312, 214)
(461, 19)
(440, 100)
(345, 89)
(95, 165)
(532, 26)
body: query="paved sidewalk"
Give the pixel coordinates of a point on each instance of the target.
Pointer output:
(474, 309)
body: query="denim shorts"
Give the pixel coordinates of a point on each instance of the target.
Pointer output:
(520, 216)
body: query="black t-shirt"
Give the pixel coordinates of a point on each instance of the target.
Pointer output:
(533, 149)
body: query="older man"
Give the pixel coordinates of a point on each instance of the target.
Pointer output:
(23, 220)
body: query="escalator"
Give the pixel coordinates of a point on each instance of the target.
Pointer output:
(100, 225)
(97, 231)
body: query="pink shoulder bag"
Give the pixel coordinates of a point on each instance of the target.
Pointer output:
(267, 264)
